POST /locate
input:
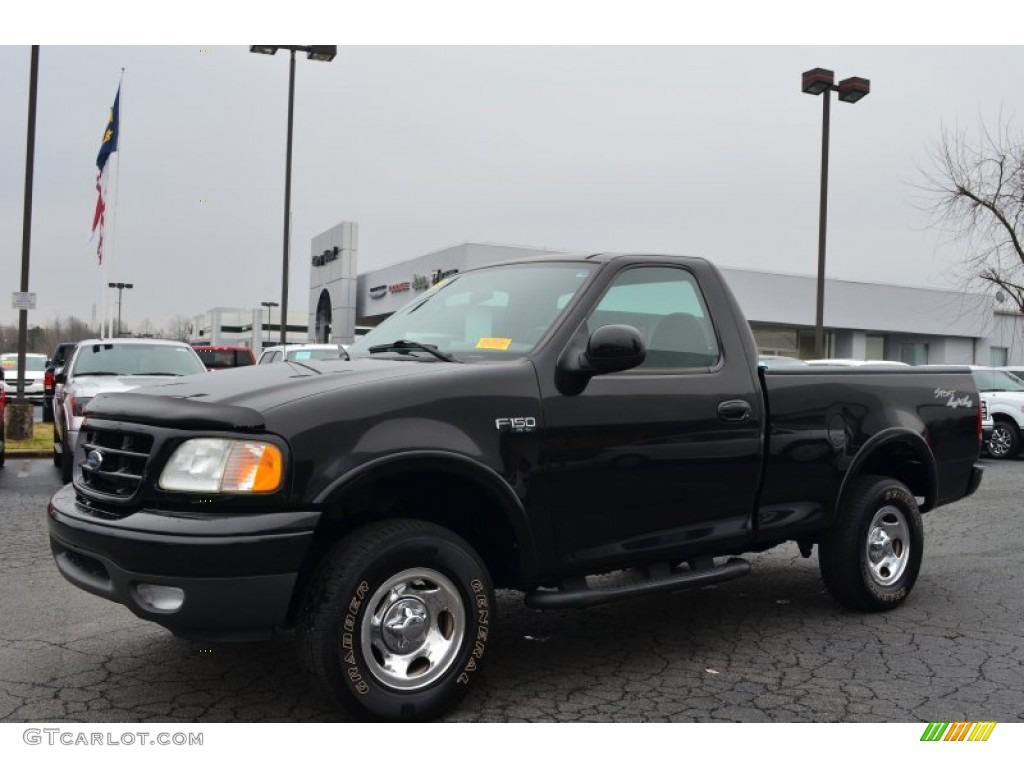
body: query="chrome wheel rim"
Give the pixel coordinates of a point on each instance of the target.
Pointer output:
(1000, 441)
(413, 629)
(888, 546)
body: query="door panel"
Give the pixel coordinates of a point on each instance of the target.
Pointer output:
(662, 460)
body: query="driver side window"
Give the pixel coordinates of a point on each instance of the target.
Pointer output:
(666, 306)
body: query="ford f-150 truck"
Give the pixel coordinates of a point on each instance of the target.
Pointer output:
(533, 426)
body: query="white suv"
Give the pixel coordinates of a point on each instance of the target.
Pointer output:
(1003, 394)
(33, 375)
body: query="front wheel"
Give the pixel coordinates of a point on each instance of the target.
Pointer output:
(870, 558)
(395, 621)
(1004, 442)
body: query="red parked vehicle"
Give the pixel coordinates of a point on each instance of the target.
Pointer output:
(218, 358)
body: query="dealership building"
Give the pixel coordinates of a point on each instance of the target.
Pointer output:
(866, 321)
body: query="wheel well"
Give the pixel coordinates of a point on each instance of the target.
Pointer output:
(454, 501)
(902, 462)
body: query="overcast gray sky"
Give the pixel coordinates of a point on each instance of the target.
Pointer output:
(711, 151)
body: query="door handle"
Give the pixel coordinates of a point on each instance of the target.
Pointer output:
(734, 410)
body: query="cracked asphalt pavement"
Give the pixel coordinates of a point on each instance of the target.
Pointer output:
(772, 647)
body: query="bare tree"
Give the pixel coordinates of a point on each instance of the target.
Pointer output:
(975, 189)
(179, 328)
(147, 329)
(44, 338)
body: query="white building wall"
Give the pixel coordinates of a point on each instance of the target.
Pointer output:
(791, 300)
(1008, 332)
(336, 274)
(252, 328)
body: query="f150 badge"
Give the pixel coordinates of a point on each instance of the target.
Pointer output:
(516, 424)
(954, 399)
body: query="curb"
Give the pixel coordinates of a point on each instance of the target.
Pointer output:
(23, 454)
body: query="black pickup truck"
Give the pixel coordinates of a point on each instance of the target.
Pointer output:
(580, 429)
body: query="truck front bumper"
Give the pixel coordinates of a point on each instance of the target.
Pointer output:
(214, 576)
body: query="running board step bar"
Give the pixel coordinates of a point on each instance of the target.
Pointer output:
(576, 593)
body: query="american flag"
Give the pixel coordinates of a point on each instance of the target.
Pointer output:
(107, 148)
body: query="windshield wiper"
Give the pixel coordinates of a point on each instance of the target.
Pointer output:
(403, 345)
(97, 373)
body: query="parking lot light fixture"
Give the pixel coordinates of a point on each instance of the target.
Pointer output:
(821, 82)
(268, 305)
(314, 53)
(120, 288)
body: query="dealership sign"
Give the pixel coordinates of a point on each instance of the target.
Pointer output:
(329, 255)
(418, 283)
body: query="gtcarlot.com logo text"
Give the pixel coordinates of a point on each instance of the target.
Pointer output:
(68, 738)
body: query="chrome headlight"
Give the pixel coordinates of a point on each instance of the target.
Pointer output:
(216, 465)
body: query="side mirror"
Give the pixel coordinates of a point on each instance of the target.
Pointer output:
(609, 349)
(60, 378)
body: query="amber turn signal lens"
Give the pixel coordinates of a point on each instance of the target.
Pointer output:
(253, 468)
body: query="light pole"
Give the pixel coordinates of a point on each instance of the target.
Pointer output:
(315, 53)
(268, 305)
(120, 287)
(819, 82)
(19, 424)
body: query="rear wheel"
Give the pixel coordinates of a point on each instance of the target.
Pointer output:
(1004, 442)
(395, 621)
(870, 558)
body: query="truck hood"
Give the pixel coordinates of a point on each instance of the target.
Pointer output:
(90, 386)
(240, 398)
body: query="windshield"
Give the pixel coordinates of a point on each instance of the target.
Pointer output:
(492, 313)
(113, 359)
(997, 381)
(314, 354)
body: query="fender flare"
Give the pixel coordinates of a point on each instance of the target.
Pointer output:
(894, 435)
(482, 475)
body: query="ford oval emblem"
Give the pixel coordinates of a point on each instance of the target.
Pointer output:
(94, 460)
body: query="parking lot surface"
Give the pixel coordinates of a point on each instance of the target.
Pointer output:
(772, 647)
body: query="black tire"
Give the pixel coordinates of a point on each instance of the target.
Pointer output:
(437, 595)
(1004, 443)
(871, 556)
(47, 412)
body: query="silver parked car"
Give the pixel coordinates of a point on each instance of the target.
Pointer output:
(110, 365)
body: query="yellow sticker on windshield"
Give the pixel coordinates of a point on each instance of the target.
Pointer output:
(493, 343)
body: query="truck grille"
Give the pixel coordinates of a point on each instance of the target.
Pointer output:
(113, 463)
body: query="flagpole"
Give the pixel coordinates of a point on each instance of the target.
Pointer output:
(117, 190)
